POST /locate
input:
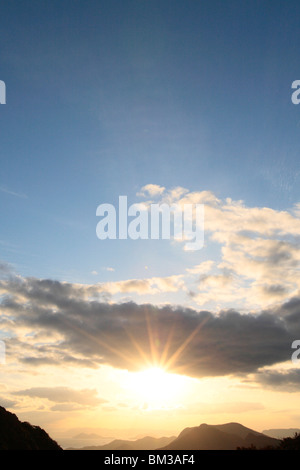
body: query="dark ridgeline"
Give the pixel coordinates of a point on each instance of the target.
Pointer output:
(230, 436)
(145, 443)
(290, 443)
(281, 433)
(15, 435)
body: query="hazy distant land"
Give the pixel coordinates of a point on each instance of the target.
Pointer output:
(17, 435)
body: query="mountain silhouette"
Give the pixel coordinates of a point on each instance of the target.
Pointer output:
(88, 436)
(15, 435)
(145, 443)
(282, 432)
(228, 436)
(290, 443)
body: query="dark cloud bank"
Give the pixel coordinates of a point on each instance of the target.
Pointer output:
(81, 329)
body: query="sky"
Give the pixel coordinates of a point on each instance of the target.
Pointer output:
(174, 102)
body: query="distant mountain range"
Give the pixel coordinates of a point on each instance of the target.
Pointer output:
(228, 436)
(15, 435)
(282, 433)
(145, 443)
(88, 436)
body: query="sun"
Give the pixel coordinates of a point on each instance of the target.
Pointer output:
(157, 388)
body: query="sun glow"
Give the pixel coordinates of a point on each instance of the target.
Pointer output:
(155, 388)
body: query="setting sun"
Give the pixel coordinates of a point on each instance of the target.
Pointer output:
(156, 388)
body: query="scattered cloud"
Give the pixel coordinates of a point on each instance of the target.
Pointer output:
(280, 380)
(6, 403)
(152, 285)
(151, 190)
(66, 407)
(62, 395)
(52, 322)
(201, 268)
(79, 330)
(258, 246)
(5, 269)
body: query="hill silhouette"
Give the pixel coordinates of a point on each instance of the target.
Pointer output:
(145, 443)
(87, 436)
(228, 436)
(290, 443)
(281, 433)
(17, 435)
(287, 443)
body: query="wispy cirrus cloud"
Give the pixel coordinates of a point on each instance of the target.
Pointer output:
(5, 190)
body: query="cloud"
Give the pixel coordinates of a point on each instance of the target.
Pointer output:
(151, 190)
(49, 291)
(5, 269)
(219, 280)
(259, 246)
(66, 407)
(281, 380)
(201, 268)
(51, 322)
(152, 285)
(13, 193)
(223, 408)
(62, 395)
(6, 403)
(256, 254)
(273, 291)
(80, 330)
(65, 359)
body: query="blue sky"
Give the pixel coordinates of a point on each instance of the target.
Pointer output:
(106, 97)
